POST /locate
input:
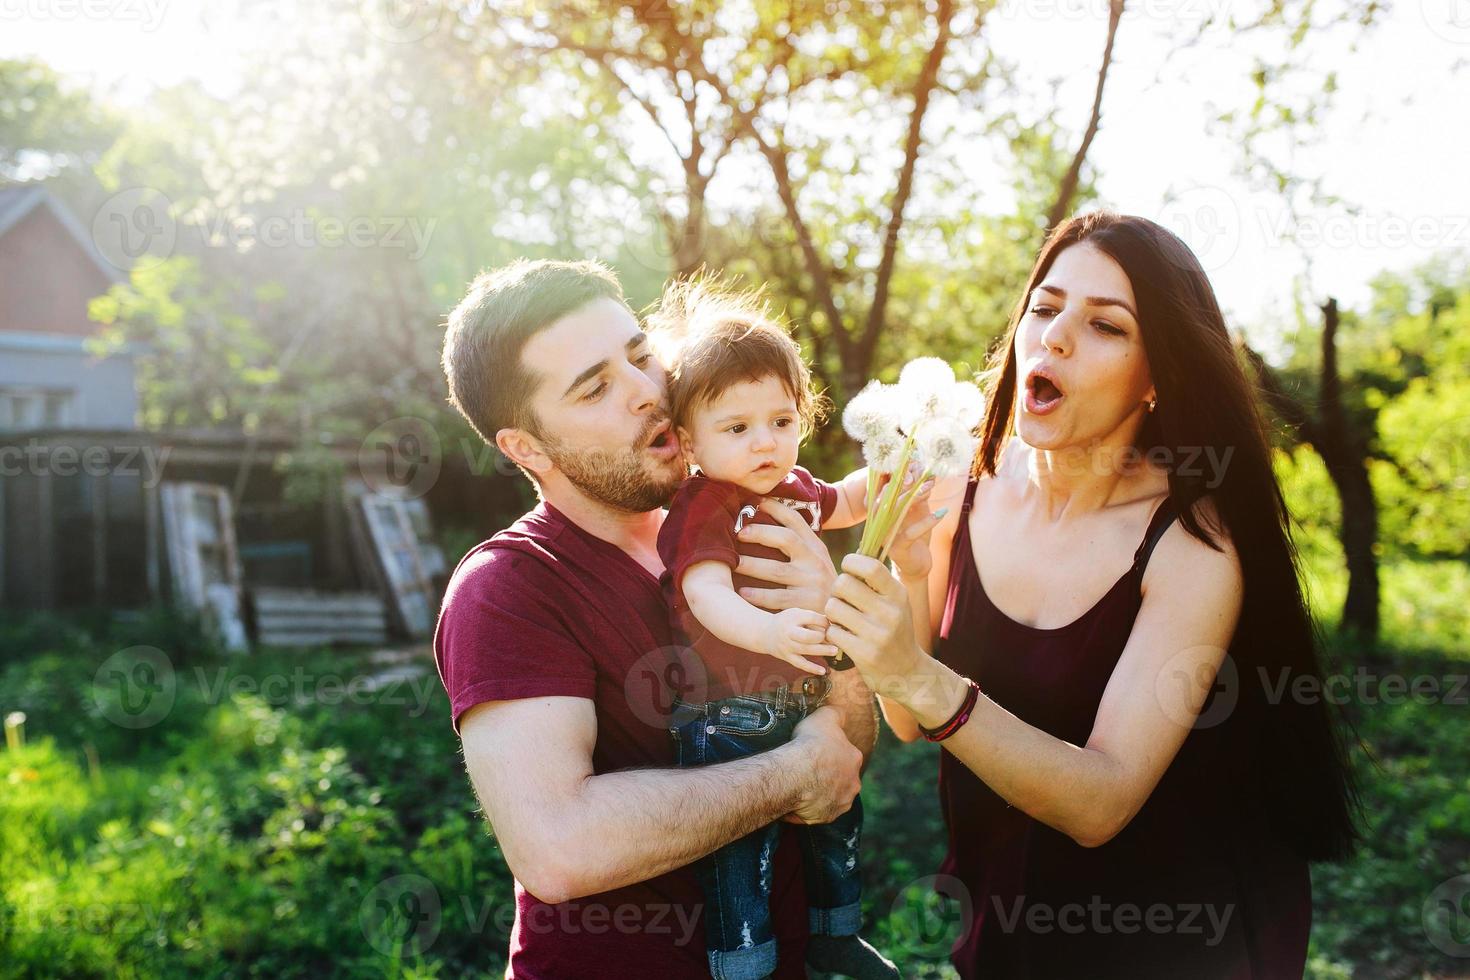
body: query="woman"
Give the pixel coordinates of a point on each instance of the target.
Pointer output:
(1129, 788)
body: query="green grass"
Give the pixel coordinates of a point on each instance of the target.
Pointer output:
(256, 830)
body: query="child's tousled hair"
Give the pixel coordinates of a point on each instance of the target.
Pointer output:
(712, 335)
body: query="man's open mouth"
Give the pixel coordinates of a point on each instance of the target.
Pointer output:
(663, 439)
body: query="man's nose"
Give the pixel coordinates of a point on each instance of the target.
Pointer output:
(648, 393)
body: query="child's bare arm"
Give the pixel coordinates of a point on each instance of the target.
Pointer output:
(791, 635)
(852, 501)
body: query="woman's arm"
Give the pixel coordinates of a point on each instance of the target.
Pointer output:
(921, 555)
(899, 719)
(1192, 599)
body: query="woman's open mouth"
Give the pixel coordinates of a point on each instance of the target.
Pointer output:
(1043, 394)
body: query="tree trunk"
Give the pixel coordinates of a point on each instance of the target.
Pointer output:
(1359, 535)
(1346, 457)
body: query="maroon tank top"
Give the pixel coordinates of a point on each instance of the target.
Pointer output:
(1196, 885)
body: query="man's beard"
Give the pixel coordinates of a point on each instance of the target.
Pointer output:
(616, 477)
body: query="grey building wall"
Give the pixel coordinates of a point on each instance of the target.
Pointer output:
(104, 393)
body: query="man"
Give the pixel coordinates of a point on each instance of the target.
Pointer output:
(546, 627)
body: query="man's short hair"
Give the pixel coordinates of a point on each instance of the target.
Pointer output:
(505, 308)
(713, 336)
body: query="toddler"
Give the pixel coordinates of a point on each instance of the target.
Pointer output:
(742, 402)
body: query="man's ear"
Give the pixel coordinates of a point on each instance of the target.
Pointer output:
(523, 449)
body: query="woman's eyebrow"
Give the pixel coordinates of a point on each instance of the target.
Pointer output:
(1093, 300)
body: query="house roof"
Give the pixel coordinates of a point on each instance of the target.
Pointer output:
(18, 202)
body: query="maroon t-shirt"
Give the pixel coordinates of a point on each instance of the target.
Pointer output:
(546, 609)
(701, 526)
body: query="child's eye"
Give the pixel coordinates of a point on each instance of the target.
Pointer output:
(783, 423)
(737, 428)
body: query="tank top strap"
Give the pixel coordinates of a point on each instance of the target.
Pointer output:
(959, 561)
(1164, 515)
(969, 498)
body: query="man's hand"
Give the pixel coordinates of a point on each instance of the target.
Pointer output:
(803, 582)
(832, 768)
(792, 635)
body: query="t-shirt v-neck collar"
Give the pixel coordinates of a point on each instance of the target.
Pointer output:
(594, 541)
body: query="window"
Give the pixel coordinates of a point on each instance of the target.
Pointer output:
(36, 408)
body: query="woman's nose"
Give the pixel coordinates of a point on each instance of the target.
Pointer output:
(1056, 335)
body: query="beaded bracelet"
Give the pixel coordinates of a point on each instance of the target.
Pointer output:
(957, 721)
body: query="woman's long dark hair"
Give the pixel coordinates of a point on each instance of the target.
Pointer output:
(1293, 751)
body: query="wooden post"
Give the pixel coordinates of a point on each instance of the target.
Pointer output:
(100, 488)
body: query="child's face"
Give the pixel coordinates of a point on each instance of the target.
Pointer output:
(747, 435)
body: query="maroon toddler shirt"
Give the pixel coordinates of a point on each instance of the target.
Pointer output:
(543, 609)
(701, 526)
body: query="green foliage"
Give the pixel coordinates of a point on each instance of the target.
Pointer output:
(244, 833)
(261, 825)
(47, 126)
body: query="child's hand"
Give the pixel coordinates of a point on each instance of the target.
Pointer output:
(795, 634)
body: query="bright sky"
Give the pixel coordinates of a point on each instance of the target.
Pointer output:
(1395, 149)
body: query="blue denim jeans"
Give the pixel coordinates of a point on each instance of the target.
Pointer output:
(737, 878)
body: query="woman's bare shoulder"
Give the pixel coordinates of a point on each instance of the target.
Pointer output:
(1180, 556)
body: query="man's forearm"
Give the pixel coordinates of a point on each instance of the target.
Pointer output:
(625, 827)
(851, 696)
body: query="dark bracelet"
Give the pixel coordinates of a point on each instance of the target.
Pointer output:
(957, 721)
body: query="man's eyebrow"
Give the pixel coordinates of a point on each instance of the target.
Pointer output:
(633, 342)
(1093, 300)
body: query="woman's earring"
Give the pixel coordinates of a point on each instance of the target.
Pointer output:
(1153, 403)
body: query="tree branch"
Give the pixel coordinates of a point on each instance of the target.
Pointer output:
(923, 88)
(1333, 419)
(1068, 188)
